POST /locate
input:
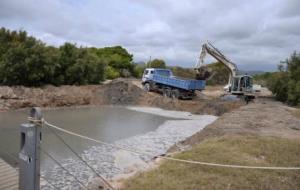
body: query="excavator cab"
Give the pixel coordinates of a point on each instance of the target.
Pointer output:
(241, 84)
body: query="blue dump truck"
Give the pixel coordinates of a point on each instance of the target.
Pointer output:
(163, 81)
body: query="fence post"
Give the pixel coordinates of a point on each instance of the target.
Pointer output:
(29, 155)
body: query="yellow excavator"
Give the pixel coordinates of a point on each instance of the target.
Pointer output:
(240, 85)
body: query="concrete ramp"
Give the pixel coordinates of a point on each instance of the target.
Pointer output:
(9, 177)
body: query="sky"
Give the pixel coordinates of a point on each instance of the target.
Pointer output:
(256, 34)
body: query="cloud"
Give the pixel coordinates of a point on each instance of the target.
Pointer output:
(254, 34)
(290, 9)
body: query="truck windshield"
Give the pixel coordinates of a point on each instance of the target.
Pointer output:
(166, 73)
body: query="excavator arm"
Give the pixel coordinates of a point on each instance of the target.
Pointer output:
(202, 70)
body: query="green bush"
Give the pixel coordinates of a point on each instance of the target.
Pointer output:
(138, 70)
(27, 61)
(284, 84)
(293, 70)
(111, 73)
(293, 92)
(278, 84)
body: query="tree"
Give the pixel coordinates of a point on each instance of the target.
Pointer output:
(293, 67)
(79, 66)
(27, 61)
(278, 84)
(139, 69)
(117, 58)
(285, 84)
(184, 72)
(157, 63)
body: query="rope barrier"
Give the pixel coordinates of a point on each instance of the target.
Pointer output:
(85, 162)
(167, 157)
(41, 122)
(52, 158)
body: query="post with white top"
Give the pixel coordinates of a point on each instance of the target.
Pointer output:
(29, 155)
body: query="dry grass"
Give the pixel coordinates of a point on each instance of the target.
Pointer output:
(242, 150)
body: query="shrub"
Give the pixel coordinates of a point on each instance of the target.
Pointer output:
(285, 84)
(111, 73)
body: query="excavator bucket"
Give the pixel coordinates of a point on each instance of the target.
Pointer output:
(203, 73)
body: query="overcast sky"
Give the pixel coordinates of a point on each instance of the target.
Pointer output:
(254, 34)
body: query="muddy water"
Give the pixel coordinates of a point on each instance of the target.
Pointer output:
(105, 123)
(149, 130)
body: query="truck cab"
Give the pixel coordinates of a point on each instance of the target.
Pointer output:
(149, 72)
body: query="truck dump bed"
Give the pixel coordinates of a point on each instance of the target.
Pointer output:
(186, 84)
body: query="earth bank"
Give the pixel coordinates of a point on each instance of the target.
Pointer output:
(116, 92)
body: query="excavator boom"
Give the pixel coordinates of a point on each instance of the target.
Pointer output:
(214, 52)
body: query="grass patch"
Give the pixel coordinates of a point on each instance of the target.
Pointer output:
(240, 150)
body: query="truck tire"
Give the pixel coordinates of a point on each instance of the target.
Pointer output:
(175, 94)
(164, 92)
(147, 87)
(169, 93)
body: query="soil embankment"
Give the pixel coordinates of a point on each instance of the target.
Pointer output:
(265, 117)
(116, 92)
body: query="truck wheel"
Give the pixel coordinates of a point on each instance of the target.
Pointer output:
(147, 87)
(169, 93)
(175, 94)
(165, 93)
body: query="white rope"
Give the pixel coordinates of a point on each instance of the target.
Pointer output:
(170, 158)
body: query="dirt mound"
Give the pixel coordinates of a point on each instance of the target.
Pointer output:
(120, 92)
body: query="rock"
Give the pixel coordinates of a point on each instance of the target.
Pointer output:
(7, 93)
(97, 183)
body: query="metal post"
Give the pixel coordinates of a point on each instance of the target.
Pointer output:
(29, 156)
